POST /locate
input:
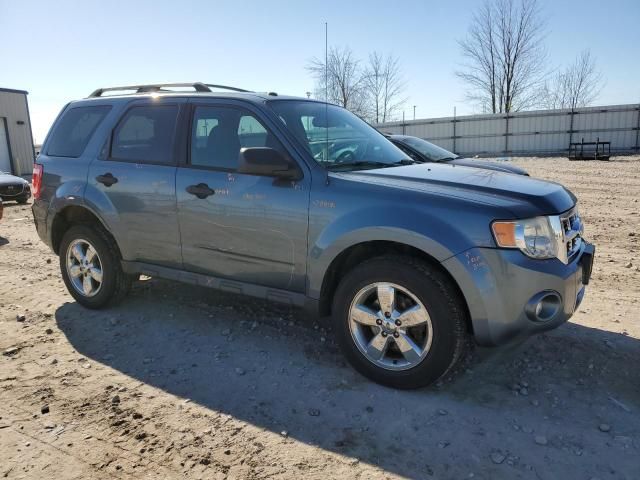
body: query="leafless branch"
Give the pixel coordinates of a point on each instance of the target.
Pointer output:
(578, 85)
(384, 88)
(343, 81)
(504, 55)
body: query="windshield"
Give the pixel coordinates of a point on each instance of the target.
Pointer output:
(429, 150)
(336, 138)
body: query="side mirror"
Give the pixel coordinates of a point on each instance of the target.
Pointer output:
(267, 162)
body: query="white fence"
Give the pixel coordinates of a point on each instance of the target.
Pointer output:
(523, 133)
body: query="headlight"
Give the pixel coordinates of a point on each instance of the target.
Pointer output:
(535, 237)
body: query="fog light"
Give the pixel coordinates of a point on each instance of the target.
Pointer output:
(543, 306)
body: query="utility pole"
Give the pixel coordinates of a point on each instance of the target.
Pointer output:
(454, 129)
(414, 112)
(326, 64)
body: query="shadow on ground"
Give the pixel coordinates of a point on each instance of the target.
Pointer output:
(270, 367)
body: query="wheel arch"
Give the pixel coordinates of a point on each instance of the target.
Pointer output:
(360, 252)
(74, 215)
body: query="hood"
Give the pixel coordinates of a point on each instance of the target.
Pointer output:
(8, 179)
(488, 165)
(523, 196)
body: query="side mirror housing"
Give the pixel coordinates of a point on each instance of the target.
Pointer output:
(267, 162)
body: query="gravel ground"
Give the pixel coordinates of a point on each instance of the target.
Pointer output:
(183, 382)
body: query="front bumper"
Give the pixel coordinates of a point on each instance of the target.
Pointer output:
(14, 192)
(501, 288)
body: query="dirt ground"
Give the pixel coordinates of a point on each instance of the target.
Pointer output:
(184, 382)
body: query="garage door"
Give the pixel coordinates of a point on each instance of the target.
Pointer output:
(5, 159)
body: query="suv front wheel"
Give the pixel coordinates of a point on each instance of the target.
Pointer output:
(91, 267)
(400, 321)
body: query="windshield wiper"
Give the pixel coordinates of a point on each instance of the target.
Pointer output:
(446, 159)
(370, 163)
(406, 161)
(360, 163)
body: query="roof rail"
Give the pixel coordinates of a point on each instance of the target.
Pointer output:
(160, 87)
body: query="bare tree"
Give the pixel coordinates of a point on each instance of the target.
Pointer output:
(505, 56)
(578, 85)
(384, 88)
(343, 80)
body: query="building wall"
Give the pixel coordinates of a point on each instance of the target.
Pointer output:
(14, 108)
(522, 133)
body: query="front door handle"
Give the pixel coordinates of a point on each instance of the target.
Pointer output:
(107, 179)
(200, 190)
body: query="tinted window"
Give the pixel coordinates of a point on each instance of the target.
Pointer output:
(145, 135)
(220, 132)
(74, 130)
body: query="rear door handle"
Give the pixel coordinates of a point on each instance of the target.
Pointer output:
(107, 179)
(200, 190)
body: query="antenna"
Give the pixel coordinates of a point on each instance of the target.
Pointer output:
(326, 90)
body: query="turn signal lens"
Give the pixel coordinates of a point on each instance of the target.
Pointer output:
(535, 237)
(505, 234)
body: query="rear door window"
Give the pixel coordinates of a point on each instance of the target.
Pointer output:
(74, 130)
(146, 134)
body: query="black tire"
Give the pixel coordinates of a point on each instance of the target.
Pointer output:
(22, 200)
(115, 283)
(438, 295)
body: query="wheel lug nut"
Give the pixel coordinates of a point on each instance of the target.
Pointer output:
(396, 334)
(398, 322)
(378, 322)
(384, 334)
(387, 314)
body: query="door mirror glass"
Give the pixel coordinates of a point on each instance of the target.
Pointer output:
(267, 162)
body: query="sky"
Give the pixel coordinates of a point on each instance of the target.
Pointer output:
(62, 50)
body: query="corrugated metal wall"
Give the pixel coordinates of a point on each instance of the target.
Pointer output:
(522, 133)
(14, 108)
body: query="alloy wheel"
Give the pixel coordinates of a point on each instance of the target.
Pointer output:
(390, 326)
(84, 267)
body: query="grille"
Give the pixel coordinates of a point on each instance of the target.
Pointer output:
(572, 232)
(10, 190)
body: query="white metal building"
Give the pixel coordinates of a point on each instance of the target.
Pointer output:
(16, 138)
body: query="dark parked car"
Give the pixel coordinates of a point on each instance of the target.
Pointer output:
(422, 151)
(14, 188)
(297, 201)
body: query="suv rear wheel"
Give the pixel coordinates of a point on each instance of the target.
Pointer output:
(91, 268)
(400, 321)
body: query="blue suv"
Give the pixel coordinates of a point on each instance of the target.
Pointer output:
(253, 193)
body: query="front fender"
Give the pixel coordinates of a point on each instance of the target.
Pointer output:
(433, 236)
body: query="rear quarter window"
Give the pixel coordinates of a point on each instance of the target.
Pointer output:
(74, 130)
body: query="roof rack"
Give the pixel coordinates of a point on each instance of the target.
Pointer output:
(160, 87)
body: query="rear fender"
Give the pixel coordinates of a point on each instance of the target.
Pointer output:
(70, 194)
